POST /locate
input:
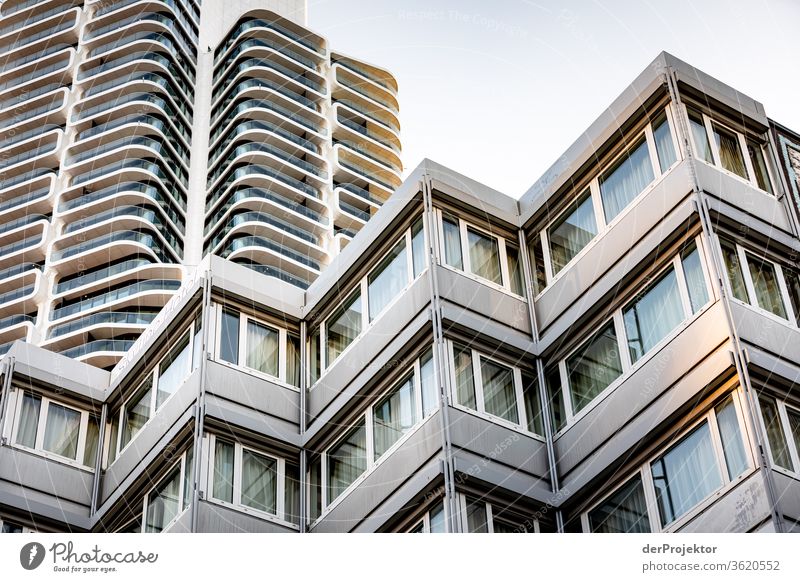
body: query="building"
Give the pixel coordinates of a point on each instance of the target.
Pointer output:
(616, 351)
(136, 136)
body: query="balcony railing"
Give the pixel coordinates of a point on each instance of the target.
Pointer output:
(264, 194)
(262, 43)
(277, 273)
(258, 23)
(75, 281)
(107, 318)
(257, 125)
(260, 217)
(102, 345)
(257, 170)
(71, 308)
(267, 149)
(261, 242)
(252, 104)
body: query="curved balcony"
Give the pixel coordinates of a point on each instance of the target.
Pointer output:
(17, 26)
(27, 272)
(264, 251)
(27, 181)
(133, 124)
(350, 196)
(36, 197)
(363, 167)
(373, 153)
(49, 109)
(102, 353)
(250, 26)
(121, 8)
(134, 102)
(156, 42)
(106, 248)
(261, 109)
(256, 86)
(353, 81)
(131, 23)
(275, 272)
(17, 310)
(375, 115)
(25, 76)
(109, 320)
(61, 28)
(290, 164)
(101, 278)
(254, 131)
(15, 327)
(26, 156)
(346, 125)
(27, 249)
(130, 166)
(255, 45)
(159, 292)
(9, 7)
(371, 73)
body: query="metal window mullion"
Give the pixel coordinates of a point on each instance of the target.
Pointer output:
(719, 449)
(82, 433)
(519, 393)
(683, 286)
(409, 255)
(705, 255)
(280, 478)
(236, 498)
(622, 342)
(364, 306)
(650, 498)
(370, 436)
(566, 396)
(746, 277)
(548, 266)
(477, 380)
(418, 409)
(748, 163)
(503, 258)
(282, 354)
(787, 434)
(652, 150)
(464, 236)
(41, 423)
(785, 297)
(597, 204)
(241, 357)
(711, 141)
(489, 517)
(676, 143)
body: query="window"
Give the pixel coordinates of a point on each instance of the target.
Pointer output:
(168, 499)
(259, 346)
(763, 283)
(481, 253)
(479, 516)
(373, 294)
(672, 296)
(705, 459)
(649, 154)
(490, 387)
(8, 526)
(57, 429)
(726, 149)
(375, 432)
(781, 420)
(252, 480)
(158, 385)
(433, 521)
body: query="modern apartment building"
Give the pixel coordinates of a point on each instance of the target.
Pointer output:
(615, 352)
(137, 136)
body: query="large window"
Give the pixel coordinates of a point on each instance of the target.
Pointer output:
(491, 387)
(731, 150)
(672, 296)
(762, 283)
(782, 423)
(259, 346)
(253, 481)
(433, 521)
(393, 273)
(167, 376)
(700, 462)
(648, 155)
(479, 516)
(55, 429)
(169, 498)
(394, 414)
(481, 253)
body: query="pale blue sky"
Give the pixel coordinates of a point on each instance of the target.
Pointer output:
(498, 90)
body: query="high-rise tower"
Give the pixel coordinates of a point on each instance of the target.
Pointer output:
(136, 136)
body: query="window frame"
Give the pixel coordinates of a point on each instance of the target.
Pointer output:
(794, 453)
(181, 484)
(643, 470)
(628, 367)
(362, 287)
(480, 402)
(280, 515)
(464, 226)
(742, 252)
(741, 138)
(44, 409)
(462, 500)
(593, 186)
(367, 418)
(152, 376)
(241, 355)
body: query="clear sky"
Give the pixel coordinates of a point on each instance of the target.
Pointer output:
(499, 89)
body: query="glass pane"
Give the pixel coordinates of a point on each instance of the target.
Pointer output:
(387, 280)
(113, 438)
(626, 180)
(262, 348)
(427, 378)
(624, 512)
(188, 477)
(292, 493)
(137, 412)
(695, 281)
(223, 471)
(92, 441)
(756, 153)
(730, 153)
(664, 146)
(197, 341)
(452, 243)
(734, 269)
(794, 426)
(484, 256)
(347, 461)
(229, 337)
(505, 527)
(9, 527)
(793, 287)
(343, 327)
(29, 420)
(765, 282)
(558, 414)
(173, 370)
(476, 517)
(437, 519)
(536, 255)
(700, 137)
(653, 316)
(315, 366)
(394, 416)
(162, 503)
(499, 396)
(775, 435)
(465, 382)
(293, 360)
(514, 270)
(572, 232)
(730, 433)
(685, 475)
(418, 250)
(533, 409)
(61, 431)
(593, 367)
(315, 489)
(259, 481)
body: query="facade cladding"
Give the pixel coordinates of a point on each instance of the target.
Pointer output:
(615, 352)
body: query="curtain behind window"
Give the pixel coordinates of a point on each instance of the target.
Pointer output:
(386, 282)
(394, 416)
(259, 482)
(775, 435)
(569, 235)
(653, 316)
(624, 512)
(61, 432)
(623, 183)
(28, 420)
(593, 367)
(162, 504)
(262, 348)
(223, 471)
(499, 396)
(730, 153)
(765, 282)
(347, 462)
(484, 256)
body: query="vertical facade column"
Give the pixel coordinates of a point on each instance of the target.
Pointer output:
(200, 405)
